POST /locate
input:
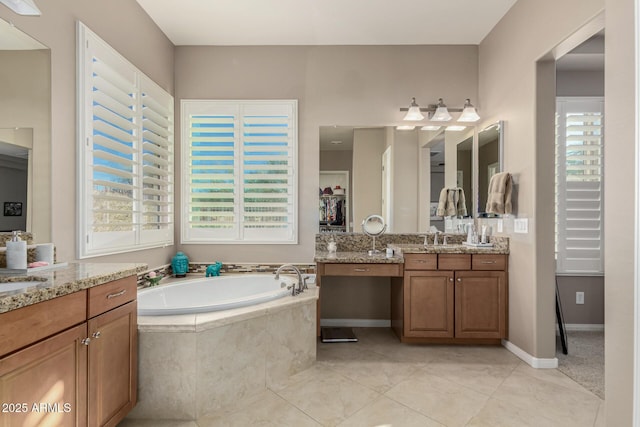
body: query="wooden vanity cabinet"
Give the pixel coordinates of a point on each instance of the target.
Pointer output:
(449, 298)
(81, 374)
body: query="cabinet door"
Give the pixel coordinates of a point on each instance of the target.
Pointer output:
(481, 304)
(112, 365)
(45, 383)
(428, 304)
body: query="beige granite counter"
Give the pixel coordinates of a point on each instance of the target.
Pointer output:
(62, 281)
(357, 258)
(500, 249)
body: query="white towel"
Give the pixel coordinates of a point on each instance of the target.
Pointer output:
(452, 202)
(499, 197)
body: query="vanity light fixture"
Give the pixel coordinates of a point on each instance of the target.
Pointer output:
(439, 112)
(22, 7)
(430, 127)
(469, 113)
(405, 127)
(413, 114)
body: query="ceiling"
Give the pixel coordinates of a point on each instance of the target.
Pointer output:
(326, 22)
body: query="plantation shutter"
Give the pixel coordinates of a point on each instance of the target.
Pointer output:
(579, 186)
(125, 161)
(240, 176)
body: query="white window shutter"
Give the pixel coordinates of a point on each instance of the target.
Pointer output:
(579, 186)
(240, 184)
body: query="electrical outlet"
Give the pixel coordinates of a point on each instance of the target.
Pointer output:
(579, 297)
(500, 226)
(521, 225)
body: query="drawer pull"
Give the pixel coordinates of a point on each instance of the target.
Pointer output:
(361, 270)
(488, 262)
(96, 334)
(451, 279)
(117, 294)
(86, 341)
(419, 261)
(459, 279)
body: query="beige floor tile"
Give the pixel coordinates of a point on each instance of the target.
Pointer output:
(267, 410)
(600, 417)
(370, 369)
(156, 423)
(501, 414)
(483, 354)
(445, 401)
(554, 401)
(483, 378)
(387, 412)
(326, 396)
(551, 375)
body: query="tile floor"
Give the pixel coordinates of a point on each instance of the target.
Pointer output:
(381, 382)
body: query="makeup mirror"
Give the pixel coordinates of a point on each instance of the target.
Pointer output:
(373, 226)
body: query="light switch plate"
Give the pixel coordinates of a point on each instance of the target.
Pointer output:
(500, 226)
(521, 225)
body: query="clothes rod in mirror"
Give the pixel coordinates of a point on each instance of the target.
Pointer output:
(439, 112)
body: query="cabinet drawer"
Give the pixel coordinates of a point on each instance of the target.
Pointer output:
(420, 261)
(27, 325)
(454, 262)
(111, 295)
(363, 270)
(489, 262)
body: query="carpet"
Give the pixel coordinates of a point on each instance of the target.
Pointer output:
(585, 362)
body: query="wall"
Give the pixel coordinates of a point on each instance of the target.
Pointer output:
(580, 83)
(507, 85)
(368, 146)
(126, 27)
(25, 98)
(621, 226)
(589, 313)
(487, 155)
(405, 182)
(334, 85)
(13, 188)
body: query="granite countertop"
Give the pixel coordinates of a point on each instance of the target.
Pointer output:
(497, 249)
(357, 258)
(62, 281)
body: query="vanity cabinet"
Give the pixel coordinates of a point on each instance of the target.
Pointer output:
(77, 365)
(451, 298)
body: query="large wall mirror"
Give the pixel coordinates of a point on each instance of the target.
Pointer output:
(25, 133)
(490, 161)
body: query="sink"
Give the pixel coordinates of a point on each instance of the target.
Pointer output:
(19, 284)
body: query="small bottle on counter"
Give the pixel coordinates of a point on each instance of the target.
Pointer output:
(16, 252)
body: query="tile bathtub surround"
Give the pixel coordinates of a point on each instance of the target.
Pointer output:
(359, 242)
(378, 381)
(193, 366)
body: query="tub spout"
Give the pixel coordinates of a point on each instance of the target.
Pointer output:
(301, 286)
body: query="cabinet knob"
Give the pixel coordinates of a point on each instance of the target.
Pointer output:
(86, 341)
(459, 279)
(451, 279)
(96, 334)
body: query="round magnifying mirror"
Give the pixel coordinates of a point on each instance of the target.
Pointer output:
(373, 226)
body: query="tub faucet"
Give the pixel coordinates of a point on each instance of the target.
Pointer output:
(301, 283)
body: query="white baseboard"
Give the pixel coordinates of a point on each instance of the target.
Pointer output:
(534, 362)
(595, 327)
(356, 323)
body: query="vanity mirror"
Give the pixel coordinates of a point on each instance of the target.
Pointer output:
(490, 161)
(25, 124)
(373, 226)
(464, 170)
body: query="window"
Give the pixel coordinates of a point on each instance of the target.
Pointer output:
(579, 185)
(239, 171)
(125, 189)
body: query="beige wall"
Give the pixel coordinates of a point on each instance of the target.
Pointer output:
(405, 182)
(25, 98)
(335, 85)
(124, 25)
(507, 84)
(619, 223)
(592, 311)
(368, 146)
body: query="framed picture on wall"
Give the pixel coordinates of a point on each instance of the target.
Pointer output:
(12, 208)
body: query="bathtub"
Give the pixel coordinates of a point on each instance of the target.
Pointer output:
(212, 294)
(239, 335)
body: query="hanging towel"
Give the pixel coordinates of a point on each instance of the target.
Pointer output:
(499, 197)
(452, 202)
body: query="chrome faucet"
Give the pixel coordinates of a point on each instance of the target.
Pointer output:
(302, 285)
(435, 238)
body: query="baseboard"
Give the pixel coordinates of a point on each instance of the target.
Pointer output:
(534, 362)
(594, 327)
(356, 323)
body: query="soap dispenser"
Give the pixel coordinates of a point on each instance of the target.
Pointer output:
(16, 252)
